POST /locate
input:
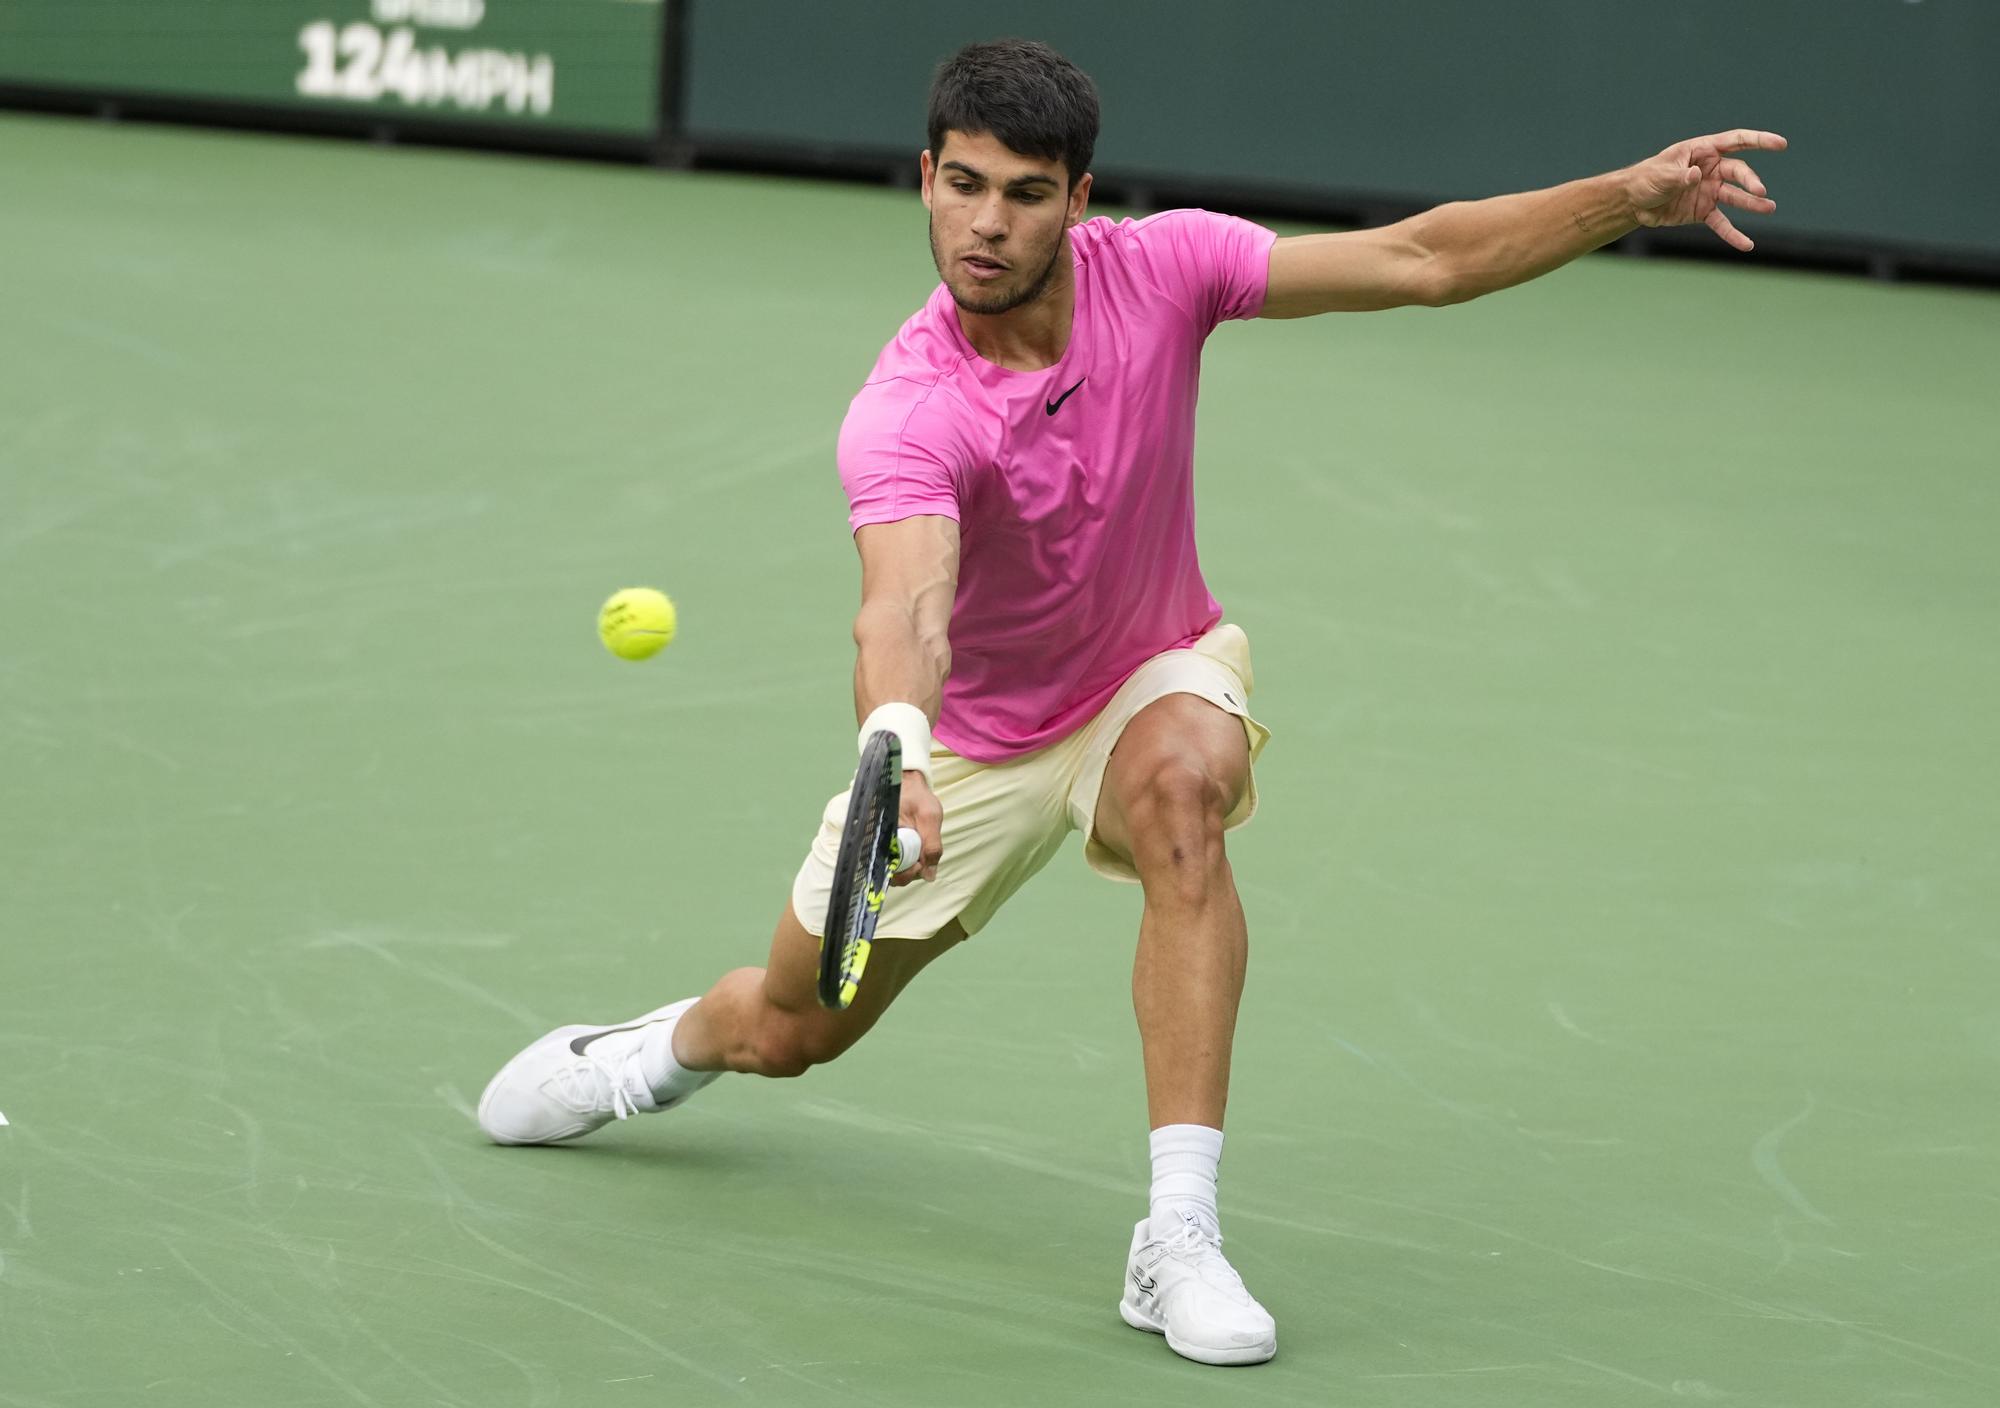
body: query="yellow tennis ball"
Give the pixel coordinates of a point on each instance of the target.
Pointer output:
(636, 624)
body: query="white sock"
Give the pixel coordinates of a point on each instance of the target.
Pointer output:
(669, 1079)
(1185, 1161)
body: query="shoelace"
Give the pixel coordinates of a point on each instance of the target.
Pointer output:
(582, 1086)
(1203, 1249)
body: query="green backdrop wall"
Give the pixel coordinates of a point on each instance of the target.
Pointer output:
(576, 65)
(1892, 107)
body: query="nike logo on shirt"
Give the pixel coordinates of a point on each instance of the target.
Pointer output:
(1053, 406)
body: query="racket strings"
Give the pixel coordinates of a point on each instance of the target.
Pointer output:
(861, 872)
(869, 875)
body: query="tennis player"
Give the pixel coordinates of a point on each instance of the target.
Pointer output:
(1035, 628)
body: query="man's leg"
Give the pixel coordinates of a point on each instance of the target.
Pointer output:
(1001, 825)
(768, 1021)
(1179, 769)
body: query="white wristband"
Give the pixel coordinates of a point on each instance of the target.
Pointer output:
(912, 730)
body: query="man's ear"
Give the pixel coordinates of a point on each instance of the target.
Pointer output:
(926, 173)
(1079, 201)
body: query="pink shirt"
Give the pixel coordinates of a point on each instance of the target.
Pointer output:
(1073, 487)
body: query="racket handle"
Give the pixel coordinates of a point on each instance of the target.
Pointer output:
(909, 848)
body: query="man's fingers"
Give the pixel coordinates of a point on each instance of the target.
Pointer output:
(1743, 200)
(1731, 236)
(915, 860)
(1737, 170)
(1746, 139)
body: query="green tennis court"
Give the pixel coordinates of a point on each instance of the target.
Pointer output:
(1624, 1007)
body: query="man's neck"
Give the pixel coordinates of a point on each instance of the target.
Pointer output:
(1033, 336)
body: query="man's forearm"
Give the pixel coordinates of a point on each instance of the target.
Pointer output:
(1485, 245)
(897, 661)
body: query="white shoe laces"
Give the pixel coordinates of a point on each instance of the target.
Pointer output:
(588, 1084)
(1201, 1249)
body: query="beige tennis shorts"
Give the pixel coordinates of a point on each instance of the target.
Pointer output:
(1002, 821)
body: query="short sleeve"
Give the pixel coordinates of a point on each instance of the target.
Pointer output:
(1216, 267)
(900, 453)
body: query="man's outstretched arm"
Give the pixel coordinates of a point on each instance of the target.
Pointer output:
(1468, 248)
(909, 577)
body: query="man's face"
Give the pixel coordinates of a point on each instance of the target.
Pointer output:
(997, 220)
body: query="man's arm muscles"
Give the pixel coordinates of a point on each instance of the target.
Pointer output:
(1468, 248)
(909, 575)
(1483, 246)
(1447, 255)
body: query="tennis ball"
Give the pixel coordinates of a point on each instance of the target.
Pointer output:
(636, 624)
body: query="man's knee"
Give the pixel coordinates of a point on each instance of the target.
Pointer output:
(788, 1032)
(789, 1044)
(1176, 815)
(1180, 794)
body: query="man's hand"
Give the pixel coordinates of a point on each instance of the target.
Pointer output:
(1691, 181)
(922, 811)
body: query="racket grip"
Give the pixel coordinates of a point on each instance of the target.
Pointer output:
(909, 848)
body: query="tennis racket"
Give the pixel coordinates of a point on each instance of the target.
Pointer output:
(872, 848)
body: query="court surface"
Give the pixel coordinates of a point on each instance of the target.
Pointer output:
(1624, 1008)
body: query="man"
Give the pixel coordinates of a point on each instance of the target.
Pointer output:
(1019, 468)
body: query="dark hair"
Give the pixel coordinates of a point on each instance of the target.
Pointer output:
(1034, 100)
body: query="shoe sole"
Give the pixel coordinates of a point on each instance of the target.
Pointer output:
(565, 1035)
(1249, 1354)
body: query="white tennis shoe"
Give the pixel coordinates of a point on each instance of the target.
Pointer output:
(574, 1080)
(1182, 1286)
